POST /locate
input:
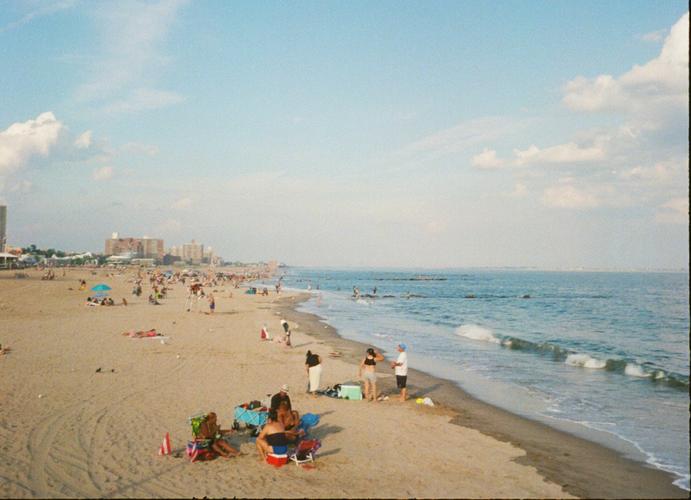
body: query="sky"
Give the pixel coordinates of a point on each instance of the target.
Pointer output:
(550, 134)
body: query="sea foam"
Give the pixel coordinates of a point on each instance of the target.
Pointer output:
(634, 370)
(475, 332)
(585, 361)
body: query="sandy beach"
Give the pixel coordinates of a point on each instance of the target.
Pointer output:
(69, 430)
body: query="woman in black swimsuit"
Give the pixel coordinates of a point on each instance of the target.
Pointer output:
(366, 372)
(272, 438)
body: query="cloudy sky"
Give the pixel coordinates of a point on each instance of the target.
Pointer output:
(427, 134)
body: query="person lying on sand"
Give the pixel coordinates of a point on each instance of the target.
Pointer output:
(142, 333)
(212, 431)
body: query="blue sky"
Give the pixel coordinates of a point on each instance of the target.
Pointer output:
(430, 134)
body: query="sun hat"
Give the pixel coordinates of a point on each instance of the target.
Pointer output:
(403, 346)
(284, 388)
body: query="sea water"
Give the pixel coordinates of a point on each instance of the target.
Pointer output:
(607, 352)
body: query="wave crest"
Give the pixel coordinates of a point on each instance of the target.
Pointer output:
(476, 332)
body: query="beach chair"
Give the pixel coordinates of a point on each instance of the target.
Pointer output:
(199, 448)
(305, 451)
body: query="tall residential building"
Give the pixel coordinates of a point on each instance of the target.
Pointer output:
(152, 248)
(147, 248)
(3, 227)
(193, 252)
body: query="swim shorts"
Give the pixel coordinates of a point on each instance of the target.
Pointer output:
(401, 381)
(370, 376)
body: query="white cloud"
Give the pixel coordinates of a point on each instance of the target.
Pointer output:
(103, 174)
(183, 204)
(654, 36)
(487, 160)
(22, 140)
(143, 100)
(460, 137)
(137, 148)
(131, 57)
(674, 211)
(562, 153)
(45, 8)
(569, 196)
(662, 81)
(658, 173)
(83, 141)
(169, 226)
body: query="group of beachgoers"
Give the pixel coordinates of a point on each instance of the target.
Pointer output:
(367, 373)
(103, 301)
(280, 430)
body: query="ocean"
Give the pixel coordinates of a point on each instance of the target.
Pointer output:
(604, 355)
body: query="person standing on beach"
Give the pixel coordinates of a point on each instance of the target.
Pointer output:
(400, 367)
(212, 303)
(286, 330)
(366, 372)
(313, 367)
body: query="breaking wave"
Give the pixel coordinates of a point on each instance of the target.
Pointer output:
(560, 354)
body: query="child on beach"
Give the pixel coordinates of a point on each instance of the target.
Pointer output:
(212, 303)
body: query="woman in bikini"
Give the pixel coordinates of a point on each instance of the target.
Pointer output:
(366, 372)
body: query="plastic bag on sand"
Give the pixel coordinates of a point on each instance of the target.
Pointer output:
(428, 402)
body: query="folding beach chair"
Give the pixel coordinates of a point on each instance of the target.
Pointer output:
(199, 448)
(305, 451)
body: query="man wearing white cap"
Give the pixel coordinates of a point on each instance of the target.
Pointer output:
(282, 395)
(400, 367)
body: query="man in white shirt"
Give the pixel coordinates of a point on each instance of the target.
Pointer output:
(400, 367)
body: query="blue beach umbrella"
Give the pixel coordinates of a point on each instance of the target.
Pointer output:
(101, 288)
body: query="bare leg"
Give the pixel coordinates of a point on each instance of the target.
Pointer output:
(224, 449)
(263, 448)
(404, 394)
(374, 391)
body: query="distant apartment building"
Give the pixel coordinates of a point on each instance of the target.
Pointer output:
(152, 248)
(146, 248)
(193, 252)
(3, 227)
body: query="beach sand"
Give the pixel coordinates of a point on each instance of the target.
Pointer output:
(96, 434)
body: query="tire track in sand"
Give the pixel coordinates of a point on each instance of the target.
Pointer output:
(55, 468)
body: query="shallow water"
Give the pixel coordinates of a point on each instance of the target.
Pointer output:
(607, 351)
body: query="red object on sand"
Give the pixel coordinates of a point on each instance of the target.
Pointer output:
(165, 448)
(276, 460)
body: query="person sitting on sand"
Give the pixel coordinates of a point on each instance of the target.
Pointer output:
(289, 418)
(282, 395)
(272, 438)
(366, 371)
(212, 431)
